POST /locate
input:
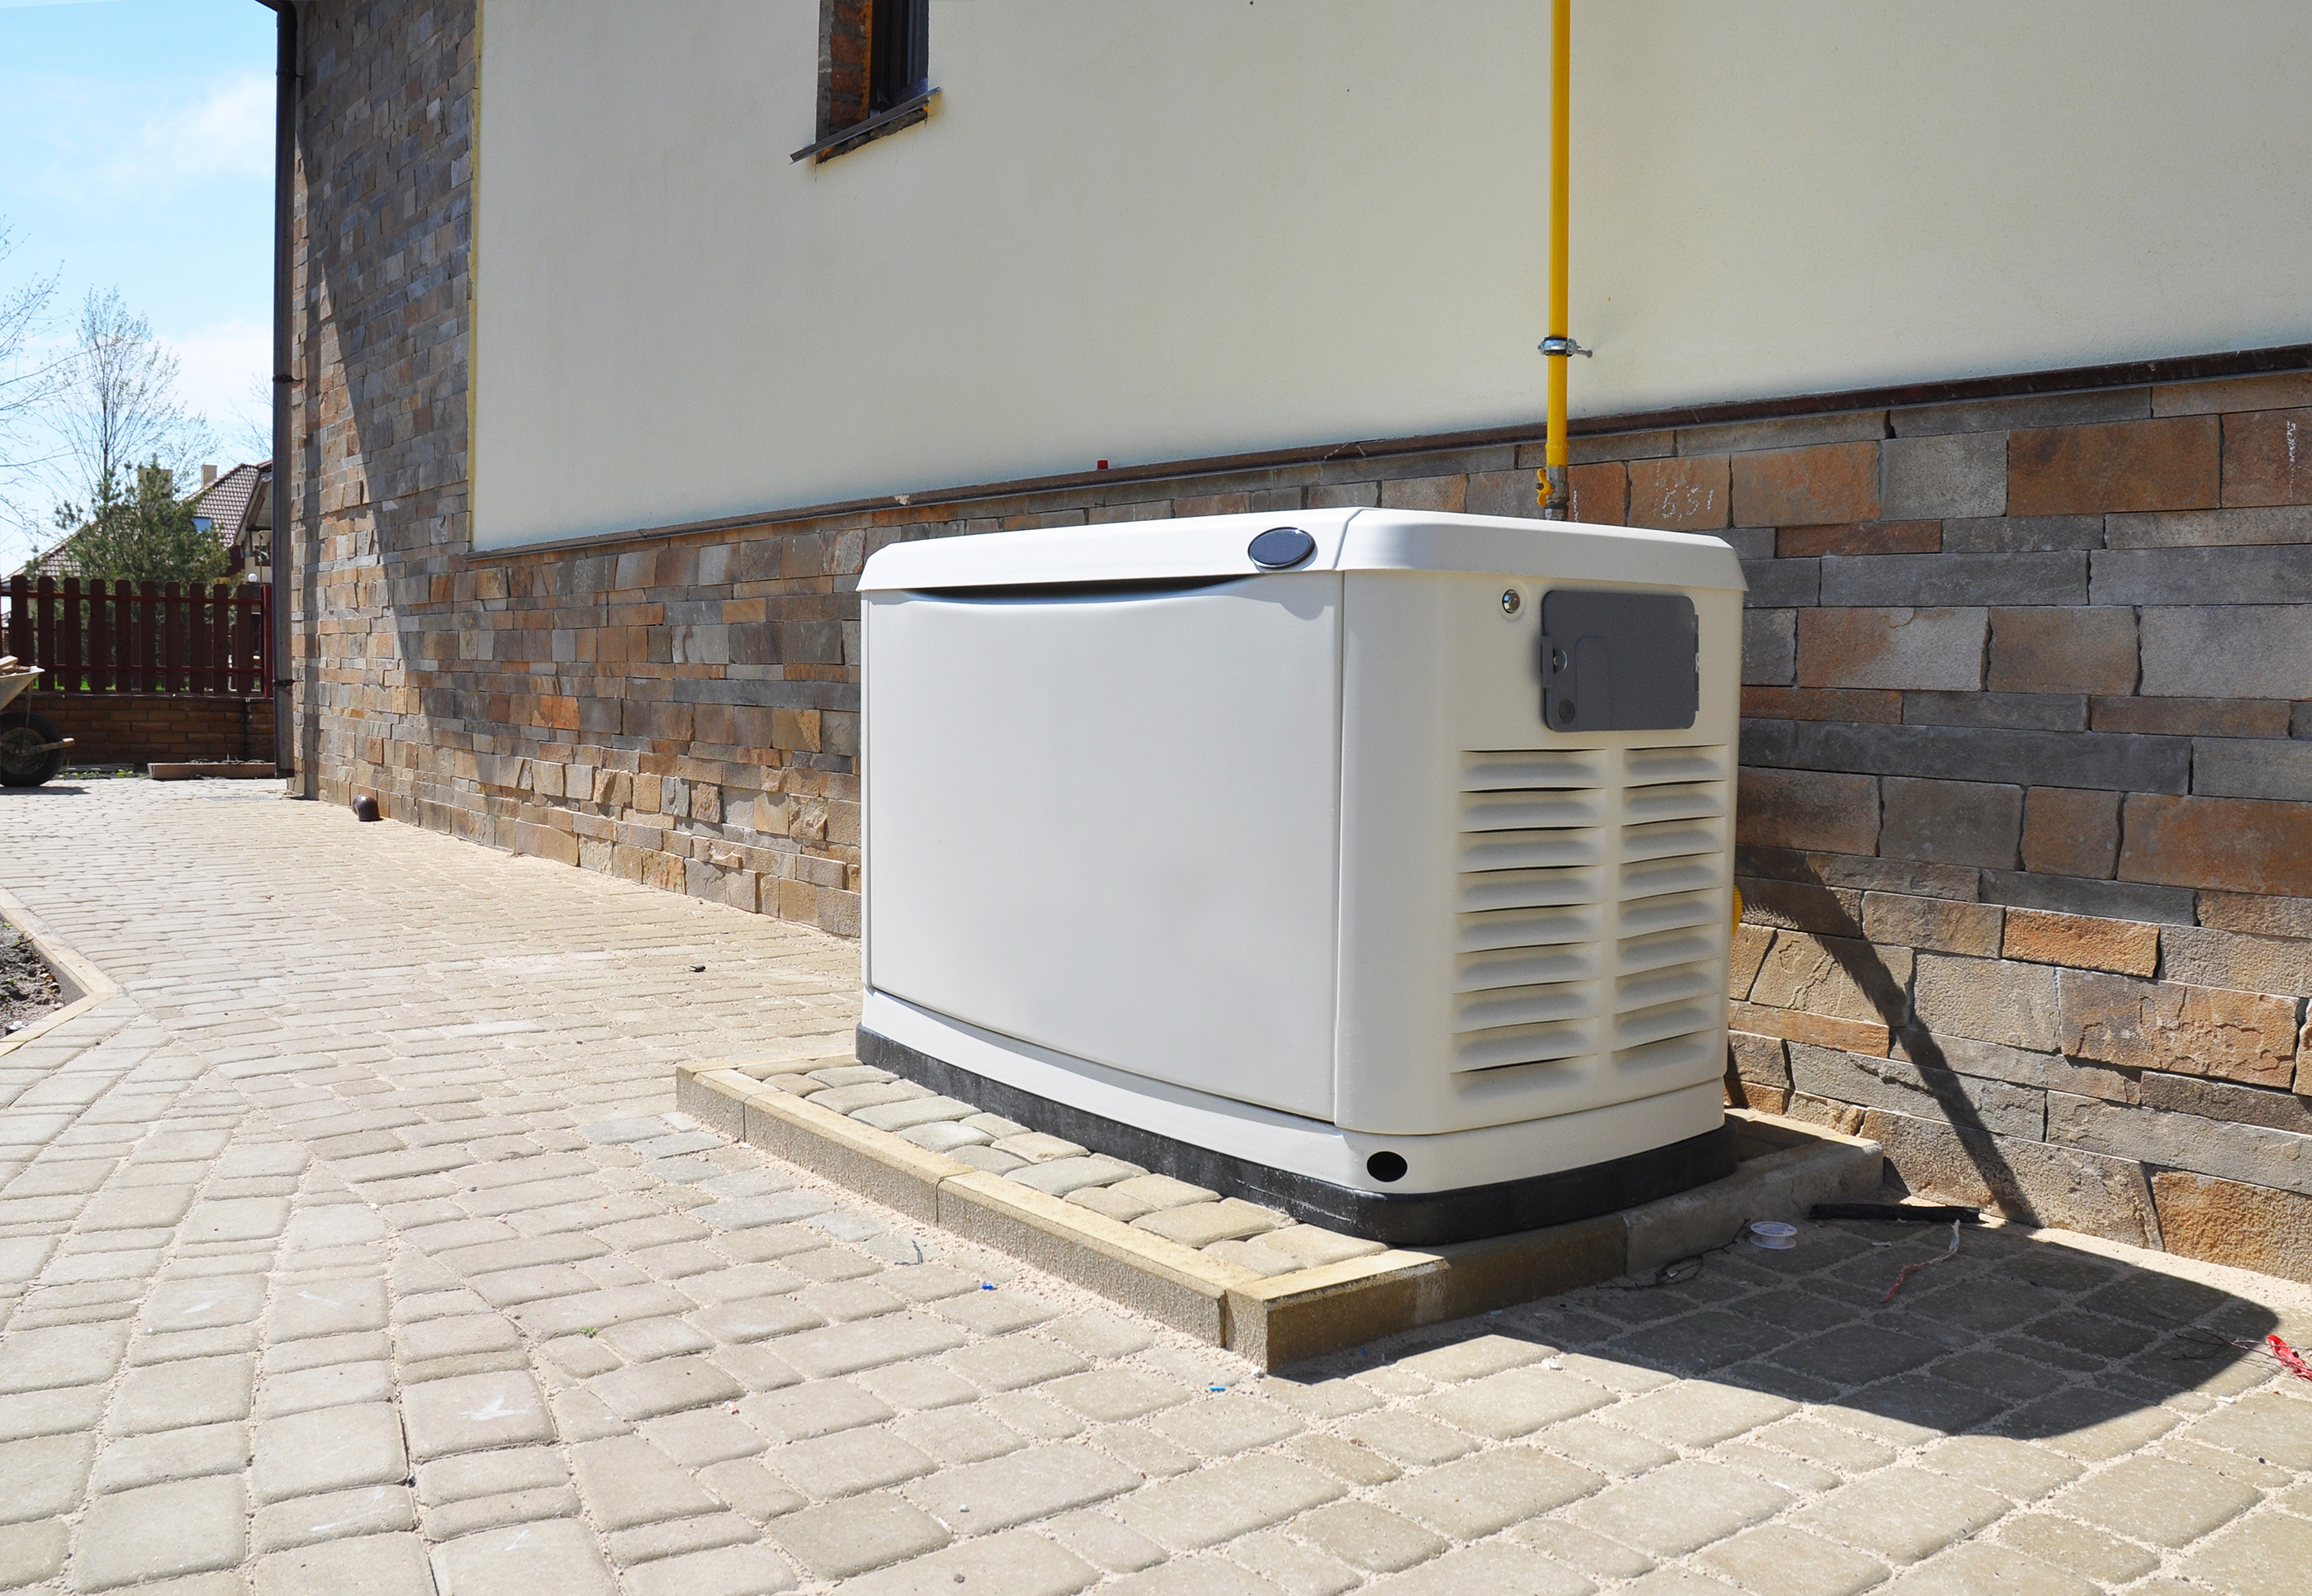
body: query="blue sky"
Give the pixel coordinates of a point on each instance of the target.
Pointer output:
(137, 152)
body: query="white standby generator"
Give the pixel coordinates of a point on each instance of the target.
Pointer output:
(1375, 864)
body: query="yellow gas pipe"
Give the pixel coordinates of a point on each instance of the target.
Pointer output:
(1549, 483)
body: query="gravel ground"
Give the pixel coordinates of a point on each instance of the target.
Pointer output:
(27, 989)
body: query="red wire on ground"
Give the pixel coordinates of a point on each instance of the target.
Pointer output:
(1943, 1256)
(2271, 1347)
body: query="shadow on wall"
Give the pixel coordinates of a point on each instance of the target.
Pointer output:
(1923, 1064)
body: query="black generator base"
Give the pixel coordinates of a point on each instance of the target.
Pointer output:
(1407, 1219)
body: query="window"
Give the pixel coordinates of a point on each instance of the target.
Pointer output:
(872, 72)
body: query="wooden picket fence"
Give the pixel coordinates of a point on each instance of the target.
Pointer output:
(141, 637)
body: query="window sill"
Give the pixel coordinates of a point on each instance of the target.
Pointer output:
(906, 114)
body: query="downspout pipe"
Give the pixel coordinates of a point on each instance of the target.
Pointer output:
(1558, 347)
(284, 162)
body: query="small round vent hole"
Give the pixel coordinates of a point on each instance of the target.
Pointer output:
(1385, 1166)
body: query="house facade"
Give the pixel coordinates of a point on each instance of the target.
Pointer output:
(623, 335)
(235, 507)
(238, 505)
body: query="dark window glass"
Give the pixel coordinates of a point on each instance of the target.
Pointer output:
(898, 70)
(871, 56)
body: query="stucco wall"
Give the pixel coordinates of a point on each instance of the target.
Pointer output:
(1140, 234)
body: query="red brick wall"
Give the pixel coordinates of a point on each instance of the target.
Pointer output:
(139, 728)
(845, 36)
(2026, 805)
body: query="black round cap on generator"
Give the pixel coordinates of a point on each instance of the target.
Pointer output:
(1281, 547)
(1385, 1166)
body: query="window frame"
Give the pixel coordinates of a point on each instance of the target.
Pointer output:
(873, 72)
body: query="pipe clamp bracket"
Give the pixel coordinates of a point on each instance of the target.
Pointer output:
(1558, 348)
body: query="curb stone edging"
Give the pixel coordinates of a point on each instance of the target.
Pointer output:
(81, 984)
(214, 770)
(1277, 1319)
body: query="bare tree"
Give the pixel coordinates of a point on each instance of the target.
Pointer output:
(117, 406)
(248, 435)
(27, 379)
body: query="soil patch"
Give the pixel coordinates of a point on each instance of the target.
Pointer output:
(28, 988)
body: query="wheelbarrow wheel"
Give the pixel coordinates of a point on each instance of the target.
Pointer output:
(26, 760)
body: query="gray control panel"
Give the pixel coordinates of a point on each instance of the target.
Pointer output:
(1618, 661)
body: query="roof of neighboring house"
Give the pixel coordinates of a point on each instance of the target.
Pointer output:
(56, 560)
(231, 503)
(228, 501)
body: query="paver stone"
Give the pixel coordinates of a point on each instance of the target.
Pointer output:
(2158, 1500)
(1494, 1569)
(330, 1449)
(723, 1571)
(1701, 1413)
(856, 1534)
(1407, 1437)
(2266, 1426)
(848, 1462)
(43, 1477)
(843, 1349)
(1227, 1500)
(1584, 1549)
(2084, 1551)
(2014, 1469)
(236, 1219)
(666, 1385)
(31, 1552)
(1015, 1564)
(159, 1531)
(817, 1407)
(170, 1396)
(1978, 1566)
(1022, 1487)
(557, 1554)
(65, 1354)
(628, 1481)
(335, 1515)
(1200, 1224)
(1681, 1507)
(2263, 1556)
(1225, 1427)
(1012, 1362)
(1113, 1395)
(1515, 1402)
(1904, 1514)
(473, 1412)
(203, 1304)
(1790, 1563)
(369, 1565)
(326, 1308)
(1368, 1537)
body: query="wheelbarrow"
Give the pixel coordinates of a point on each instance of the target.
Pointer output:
(31, 750)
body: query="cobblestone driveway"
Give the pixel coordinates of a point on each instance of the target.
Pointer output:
(349, 1249)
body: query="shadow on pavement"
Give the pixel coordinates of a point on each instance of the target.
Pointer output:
(2014, 1336)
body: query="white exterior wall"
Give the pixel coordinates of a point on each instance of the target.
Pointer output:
(1149, 233)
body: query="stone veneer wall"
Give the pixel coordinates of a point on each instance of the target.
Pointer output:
(2025, 819)
(2026, 805)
